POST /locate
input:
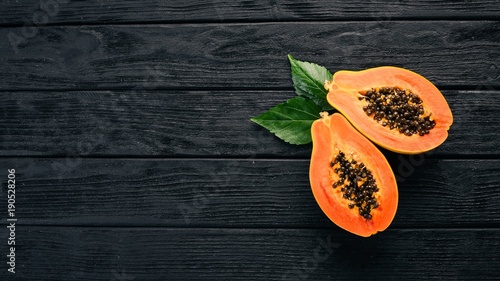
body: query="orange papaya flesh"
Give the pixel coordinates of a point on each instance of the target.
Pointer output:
(422, 116)
(350, 178)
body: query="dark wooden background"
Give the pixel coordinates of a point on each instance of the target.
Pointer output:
(128, 125)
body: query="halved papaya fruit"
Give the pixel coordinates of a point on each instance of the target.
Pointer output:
(396, 108)
(350, 178)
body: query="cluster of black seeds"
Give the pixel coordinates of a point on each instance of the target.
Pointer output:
(398, 109)
(356, 183)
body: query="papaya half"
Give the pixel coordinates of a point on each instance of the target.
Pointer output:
(350, 178)
(395, 108)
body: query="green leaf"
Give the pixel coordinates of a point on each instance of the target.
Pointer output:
(308, 81)
(291, 121)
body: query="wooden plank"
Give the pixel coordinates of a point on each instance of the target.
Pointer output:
(79, 253)
(192, 123)
(236, 193)
(127, 11)
(205, 56)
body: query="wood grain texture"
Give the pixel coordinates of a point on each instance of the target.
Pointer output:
(237, 193)
(137, 159)
(192, 123)
(127, 11)
(69, 253)
(205, 56)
